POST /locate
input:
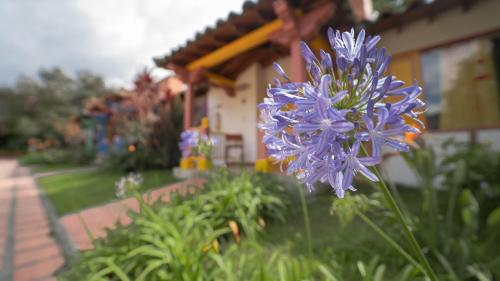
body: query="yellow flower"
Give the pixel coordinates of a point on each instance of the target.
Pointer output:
(214, 246)
(262, 222)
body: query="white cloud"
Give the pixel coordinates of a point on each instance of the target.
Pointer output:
(111, 37)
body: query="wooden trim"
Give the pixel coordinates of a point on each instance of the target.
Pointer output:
(463, 130)
(238, 46)
(462, 39)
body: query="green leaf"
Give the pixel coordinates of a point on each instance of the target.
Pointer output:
(494, 217)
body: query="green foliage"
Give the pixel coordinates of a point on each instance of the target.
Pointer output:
(474, 167)
(156, 144)
(245, 199)
(375, 271)
(481, 162)
(494, 217)
(55, 156)
(164, 138)
(138, 160)
(35, 107)
(453, 227)
(391, 6)
(251, 262)
(205, 148)
(165, 244)
(461, 242)
(456, 222)
(174, 241)
(348, 207)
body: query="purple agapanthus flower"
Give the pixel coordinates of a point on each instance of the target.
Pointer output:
(320, 126)
(189, 140)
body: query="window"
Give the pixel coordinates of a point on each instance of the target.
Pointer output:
(461, 85)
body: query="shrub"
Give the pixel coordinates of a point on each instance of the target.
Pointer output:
(459, 237)
(162, 244)
(250, 262)
(155, 142)
(56, 156)
(178, 241)
(250, 200)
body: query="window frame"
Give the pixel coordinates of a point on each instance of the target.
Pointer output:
(418, 52)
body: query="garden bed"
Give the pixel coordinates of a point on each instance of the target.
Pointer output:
(198, 236)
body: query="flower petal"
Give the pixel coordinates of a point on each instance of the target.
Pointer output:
(396, 144)
(367, 173)
(280, 71)
(342, 126)
(383, 114)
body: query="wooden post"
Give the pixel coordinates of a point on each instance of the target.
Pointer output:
(296, 61)
(191, 79)
(297, 28)
(189, 106)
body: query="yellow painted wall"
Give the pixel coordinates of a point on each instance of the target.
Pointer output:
(445, 27)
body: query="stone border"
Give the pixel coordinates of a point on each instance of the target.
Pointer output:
(67, 246)
(7, 267)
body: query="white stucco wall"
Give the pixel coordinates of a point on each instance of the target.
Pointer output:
(396, 167)
(269, 73)
(238, 114)
(445, 27)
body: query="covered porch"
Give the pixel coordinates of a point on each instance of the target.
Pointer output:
(231, 65)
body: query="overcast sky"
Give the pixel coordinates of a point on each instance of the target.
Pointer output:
(114, 38)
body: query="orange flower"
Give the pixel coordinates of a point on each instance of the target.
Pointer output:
(288, 107)
(236, 232)
(131, 148)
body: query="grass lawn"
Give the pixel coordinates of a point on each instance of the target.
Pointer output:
(333, 241)
(71, 192)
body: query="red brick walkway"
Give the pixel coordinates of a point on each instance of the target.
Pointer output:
(27, 249)
(99, 218)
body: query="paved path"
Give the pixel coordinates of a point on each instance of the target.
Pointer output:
(28, 250)
(97, 219)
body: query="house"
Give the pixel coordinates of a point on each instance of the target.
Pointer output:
(452, 47)
(105, 119)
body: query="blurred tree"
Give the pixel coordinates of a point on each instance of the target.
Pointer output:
(40, 107)
(391, 6)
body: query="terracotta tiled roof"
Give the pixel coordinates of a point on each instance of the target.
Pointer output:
(253, 15)
(257, 14)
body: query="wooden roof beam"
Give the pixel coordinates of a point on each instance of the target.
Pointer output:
(199, 75)
(238, 46)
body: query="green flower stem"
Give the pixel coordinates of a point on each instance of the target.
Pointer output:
(389, 240)
(86, 228)
(406, 229)
(307, 223)
(395, 193)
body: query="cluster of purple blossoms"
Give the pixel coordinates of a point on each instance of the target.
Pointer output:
(321, 126)
(189, 140)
